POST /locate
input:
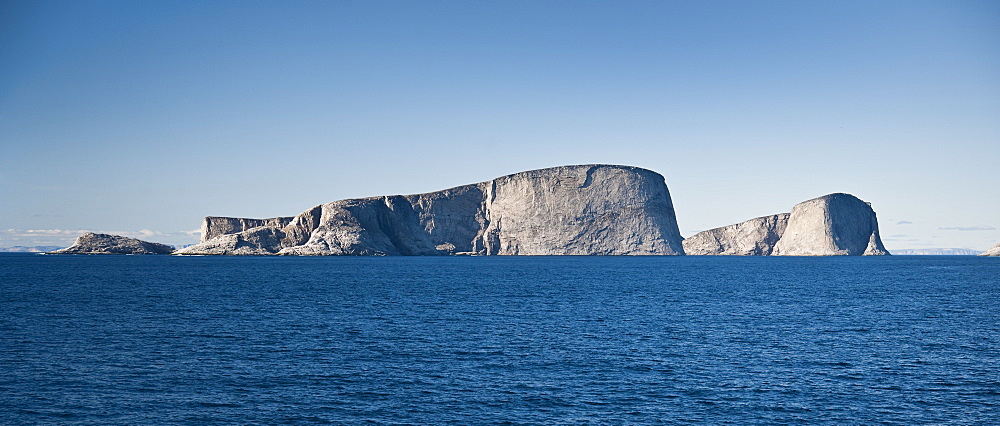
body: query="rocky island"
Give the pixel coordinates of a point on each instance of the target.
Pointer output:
(832, 225)
(570, 210)
(993, 251)
(91, 243)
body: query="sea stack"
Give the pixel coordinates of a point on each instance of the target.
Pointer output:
(91, 243)
(993, 251)
(832, 225)
(570, 210)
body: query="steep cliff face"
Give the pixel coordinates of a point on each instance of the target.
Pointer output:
(993, 251)
(831, 225)
(213, 227)
(755, 237)
(91, 243)
(580, 211)
(572, 210)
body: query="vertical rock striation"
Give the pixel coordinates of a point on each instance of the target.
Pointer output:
(571, 210)
(832, 225)
(579, 211)
(213, 227)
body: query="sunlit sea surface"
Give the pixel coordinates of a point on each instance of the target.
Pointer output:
(499, 340)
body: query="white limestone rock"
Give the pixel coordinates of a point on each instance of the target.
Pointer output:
(571, 210)
(831, 225)
(91, 243)
(993, 251)
(604, 210)
(755, 237)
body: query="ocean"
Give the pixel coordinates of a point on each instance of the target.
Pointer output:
(900, 340)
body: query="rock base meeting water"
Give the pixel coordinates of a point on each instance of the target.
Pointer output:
(832, 225)
(569, 210)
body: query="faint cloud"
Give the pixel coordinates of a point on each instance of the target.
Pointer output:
(47, 232)
(46, 215)
(968, 228)
(38, 237)
(149, 233)
(904, 222)
(65, 237)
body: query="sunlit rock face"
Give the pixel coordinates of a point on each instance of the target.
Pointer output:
(993, 251)
(213, 227)
(91, 243)
(570, 210)
(755, 237)
(831, 225)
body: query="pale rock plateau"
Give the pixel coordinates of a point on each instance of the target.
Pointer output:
(570, 210)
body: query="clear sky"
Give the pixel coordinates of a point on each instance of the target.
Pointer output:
(141, 117)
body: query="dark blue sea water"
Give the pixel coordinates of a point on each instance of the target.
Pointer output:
(499, 340)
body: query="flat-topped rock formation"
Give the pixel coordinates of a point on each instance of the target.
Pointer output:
(91, 243)
(571, 210)
(993, 251)
(831, 225)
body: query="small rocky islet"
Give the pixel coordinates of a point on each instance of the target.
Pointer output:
(92, 243)
(569, 210)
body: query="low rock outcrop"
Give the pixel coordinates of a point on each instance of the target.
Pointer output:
(831, 225)
(571, 210)
(91, 243)
(993, 251)
(755, 237)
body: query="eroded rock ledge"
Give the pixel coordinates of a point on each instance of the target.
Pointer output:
(91, 243)
(570, 210)
(832, 225)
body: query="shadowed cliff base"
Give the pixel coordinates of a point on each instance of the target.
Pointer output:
(570, 210)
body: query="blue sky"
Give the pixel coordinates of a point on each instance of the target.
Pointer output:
(142, 117)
